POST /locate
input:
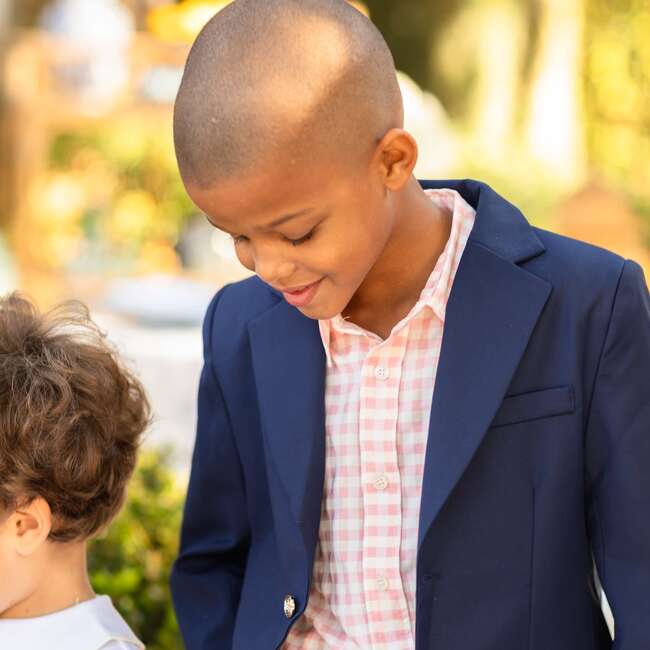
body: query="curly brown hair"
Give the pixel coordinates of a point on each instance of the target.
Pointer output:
(71, 417)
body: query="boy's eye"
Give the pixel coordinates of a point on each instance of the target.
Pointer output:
(302, 240)
(238, 239)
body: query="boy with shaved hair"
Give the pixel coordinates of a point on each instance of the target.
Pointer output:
(422, 420)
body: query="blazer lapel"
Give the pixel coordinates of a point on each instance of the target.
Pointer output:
(492, 310)
(289, 367)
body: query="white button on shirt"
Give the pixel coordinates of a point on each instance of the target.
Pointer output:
(381, 482)
(92, 625)
(382, 372)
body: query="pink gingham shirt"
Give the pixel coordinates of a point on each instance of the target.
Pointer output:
(377, 404)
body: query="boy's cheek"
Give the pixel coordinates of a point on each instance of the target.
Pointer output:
(245, 258)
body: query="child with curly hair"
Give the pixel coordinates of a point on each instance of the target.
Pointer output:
(71, 418)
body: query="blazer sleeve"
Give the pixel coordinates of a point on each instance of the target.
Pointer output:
(618, 443)
(207, 576)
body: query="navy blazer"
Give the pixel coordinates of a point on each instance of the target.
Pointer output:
(537, 462)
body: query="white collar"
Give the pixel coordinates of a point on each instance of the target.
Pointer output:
(87, 626)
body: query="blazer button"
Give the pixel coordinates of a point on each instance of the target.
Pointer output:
(289, 606)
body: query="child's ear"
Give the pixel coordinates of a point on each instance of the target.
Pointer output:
(396, 155)
(30, 526)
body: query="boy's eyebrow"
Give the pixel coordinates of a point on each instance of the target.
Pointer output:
(288, 217)
(273, 224)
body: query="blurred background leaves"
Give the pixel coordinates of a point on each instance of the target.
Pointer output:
(132, 560)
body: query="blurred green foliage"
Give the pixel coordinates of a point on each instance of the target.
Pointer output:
(617, 91)
(131, 562)
(126, 172)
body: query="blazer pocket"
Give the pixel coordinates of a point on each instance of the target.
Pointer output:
(536, 404)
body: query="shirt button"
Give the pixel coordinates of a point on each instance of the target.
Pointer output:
(381, 582)
(382, 372)
(380, 482)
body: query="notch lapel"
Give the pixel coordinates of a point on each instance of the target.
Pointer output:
(493, 308)
(289, 366)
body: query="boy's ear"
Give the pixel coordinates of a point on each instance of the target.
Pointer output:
(30, 526)
(396, 155)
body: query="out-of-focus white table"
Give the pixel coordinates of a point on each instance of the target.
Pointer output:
(168, 361)
(155, 322)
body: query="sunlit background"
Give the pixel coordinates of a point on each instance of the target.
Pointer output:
(547, 100)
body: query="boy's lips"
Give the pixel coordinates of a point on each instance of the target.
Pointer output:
(298, 288)
(302, 295)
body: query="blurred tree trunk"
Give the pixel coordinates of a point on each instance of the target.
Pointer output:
(25, 12)
(6, 16)
(553, 129)
(411, 27)
(498, 80)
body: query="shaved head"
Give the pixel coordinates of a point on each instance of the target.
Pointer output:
(284, 83)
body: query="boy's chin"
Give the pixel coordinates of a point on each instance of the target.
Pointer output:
(312, 312)
(318, 312)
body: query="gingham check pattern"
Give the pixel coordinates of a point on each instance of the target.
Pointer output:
(377, 406)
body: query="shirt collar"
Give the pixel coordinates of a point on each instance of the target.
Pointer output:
(90, 624)
(437, 289)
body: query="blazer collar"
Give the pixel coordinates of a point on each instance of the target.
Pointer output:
(499, 225)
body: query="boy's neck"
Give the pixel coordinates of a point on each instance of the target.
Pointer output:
(63, 583)
(394, 284)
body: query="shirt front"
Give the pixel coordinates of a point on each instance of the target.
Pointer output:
(377, 405)
(91, 625)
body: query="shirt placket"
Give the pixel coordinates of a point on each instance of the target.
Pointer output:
(386, 605)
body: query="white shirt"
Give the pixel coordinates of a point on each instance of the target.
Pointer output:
(92, 625)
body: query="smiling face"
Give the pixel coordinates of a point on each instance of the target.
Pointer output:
(341, 221)
(279, 113)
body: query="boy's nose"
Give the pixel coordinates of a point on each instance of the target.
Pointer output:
(274, 271)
